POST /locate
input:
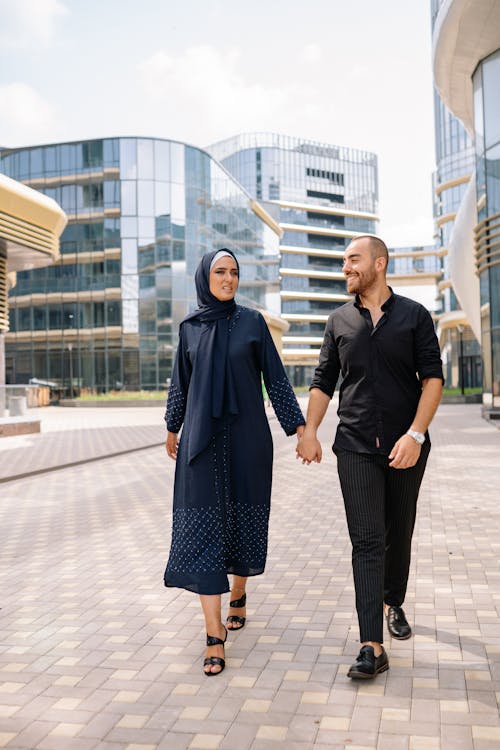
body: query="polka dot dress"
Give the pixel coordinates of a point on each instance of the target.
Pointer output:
(222, 497)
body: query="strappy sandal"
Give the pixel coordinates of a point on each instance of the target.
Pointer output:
(214, 661)
(237, 604)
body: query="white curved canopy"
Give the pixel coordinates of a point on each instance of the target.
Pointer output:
(465, 32)
(461, 259)
(30, 226)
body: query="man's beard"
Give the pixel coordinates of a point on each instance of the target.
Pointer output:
(362, 282)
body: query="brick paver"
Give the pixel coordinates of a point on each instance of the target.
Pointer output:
(96, 655)
(70, 436)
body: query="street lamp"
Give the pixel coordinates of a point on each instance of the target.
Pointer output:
(460, 329)
(70, 350)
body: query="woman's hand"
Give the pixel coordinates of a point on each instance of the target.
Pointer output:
(308, 447)
(172, 445)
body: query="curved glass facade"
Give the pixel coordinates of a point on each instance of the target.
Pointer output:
(455, 162)
(486, 82)
(322, 195)
(141, 213)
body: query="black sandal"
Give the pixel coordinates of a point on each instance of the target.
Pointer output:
(214, 661)
(237, 604)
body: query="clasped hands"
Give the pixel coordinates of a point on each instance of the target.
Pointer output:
(308, 446)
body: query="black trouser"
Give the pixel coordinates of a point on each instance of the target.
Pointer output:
(381, 505)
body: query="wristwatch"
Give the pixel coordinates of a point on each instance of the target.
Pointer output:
(418, 437)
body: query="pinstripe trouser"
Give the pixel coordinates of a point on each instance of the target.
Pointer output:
(380, 505)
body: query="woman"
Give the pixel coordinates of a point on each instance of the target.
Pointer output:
(224, 457)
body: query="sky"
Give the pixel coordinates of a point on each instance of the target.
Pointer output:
(352, 74)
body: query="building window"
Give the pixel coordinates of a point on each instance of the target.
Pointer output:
(332, 197)
(325, 174)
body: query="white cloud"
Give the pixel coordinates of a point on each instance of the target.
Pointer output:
(28, 22)
(200, 94)
(205, 94)
(311, 53)
(26, 116)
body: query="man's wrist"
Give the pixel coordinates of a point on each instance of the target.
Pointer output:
(417, 436)
(310, 431)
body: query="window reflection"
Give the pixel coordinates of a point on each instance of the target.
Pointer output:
(128, 198)
(145, 198)
(133, 242)
(128, 158)
(491, 83)
(177, 163)
(493, 179)
(145, 162)
(162, 198)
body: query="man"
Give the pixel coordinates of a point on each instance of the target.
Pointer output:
(386, 350)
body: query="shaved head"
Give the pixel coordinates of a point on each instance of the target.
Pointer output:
(378, 248)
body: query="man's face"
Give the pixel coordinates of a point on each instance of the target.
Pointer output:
(359, 267)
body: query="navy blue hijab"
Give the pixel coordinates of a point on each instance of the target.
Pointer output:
(214, 404)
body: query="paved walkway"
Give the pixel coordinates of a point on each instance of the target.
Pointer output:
(70, 436)
(96, 655)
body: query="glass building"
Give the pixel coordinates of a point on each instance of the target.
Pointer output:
(466, 59)
(322, 196)
(141, 212)
(455, 168)
(415, 272)
(486, 81)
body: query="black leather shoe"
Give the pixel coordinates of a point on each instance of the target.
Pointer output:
(397, 623)
(367, 665)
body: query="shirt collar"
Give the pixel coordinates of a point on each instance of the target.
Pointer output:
(386, 306)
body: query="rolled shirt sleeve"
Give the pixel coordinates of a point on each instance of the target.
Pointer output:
(427, 354)
(328, 369)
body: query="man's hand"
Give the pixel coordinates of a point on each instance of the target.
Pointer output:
(405, 453)
(309, 447)
(172, 445)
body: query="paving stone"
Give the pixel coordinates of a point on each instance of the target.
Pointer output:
(96, 655)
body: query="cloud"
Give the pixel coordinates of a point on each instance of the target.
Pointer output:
(204, 94)
(29, 22)
(311, 53)
(201, 90)
(26, 116)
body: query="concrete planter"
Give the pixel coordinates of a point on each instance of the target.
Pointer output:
(13, 426)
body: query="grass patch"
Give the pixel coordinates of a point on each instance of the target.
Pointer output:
(458, 391)
(125, 396)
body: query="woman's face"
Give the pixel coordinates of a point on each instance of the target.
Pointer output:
(224, 279)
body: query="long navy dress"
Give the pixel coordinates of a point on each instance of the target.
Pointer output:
(222, 497)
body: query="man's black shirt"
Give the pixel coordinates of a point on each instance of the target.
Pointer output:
(382, 369)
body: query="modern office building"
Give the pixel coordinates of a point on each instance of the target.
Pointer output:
(322, 196)
(416, 272)
(459, 336)
(466, 60)
(141, 212)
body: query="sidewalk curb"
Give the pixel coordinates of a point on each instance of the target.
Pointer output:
(70, 464)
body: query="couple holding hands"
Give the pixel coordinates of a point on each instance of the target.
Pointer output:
(385, 349)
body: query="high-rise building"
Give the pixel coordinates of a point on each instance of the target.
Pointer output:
(466, 60)
(455, 163)
(415, 272)
(322, 196)
(141, 212)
